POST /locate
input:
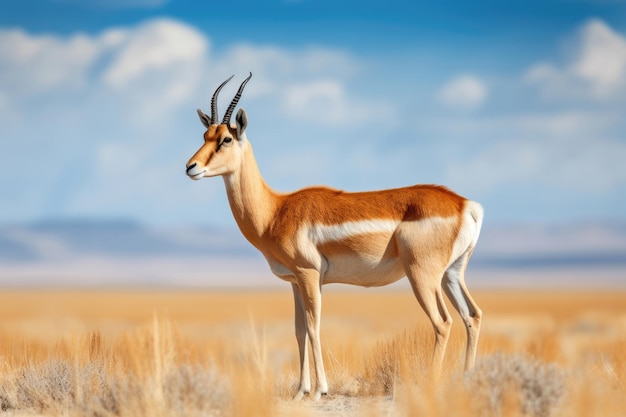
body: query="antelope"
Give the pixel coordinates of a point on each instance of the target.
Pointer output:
(320, 235)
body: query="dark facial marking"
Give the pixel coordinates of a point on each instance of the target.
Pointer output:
(227, 139)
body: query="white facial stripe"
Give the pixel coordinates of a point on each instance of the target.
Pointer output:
(321, 233)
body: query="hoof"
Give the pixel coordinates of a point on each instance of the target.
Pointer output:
(318, 395)
(300, 395)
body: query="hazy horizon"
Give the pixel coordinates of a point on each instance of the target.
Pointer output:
(93, 254)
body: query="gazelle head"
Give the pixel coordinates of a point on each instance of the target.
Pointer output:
(221, 152)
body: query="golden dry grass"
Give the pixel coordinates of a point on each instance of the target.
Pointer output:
(115, 353)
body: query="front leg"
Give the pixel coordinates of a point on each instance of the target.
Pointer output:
(309, 284)
(301, 336)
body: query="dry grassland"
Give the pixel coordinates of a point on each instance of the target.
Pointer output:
(206, 353)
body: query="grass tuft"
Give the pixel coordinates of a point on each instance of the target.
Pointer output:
(403, 359)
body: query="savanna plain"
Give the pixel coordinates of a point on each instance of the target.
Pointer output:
(227, 353)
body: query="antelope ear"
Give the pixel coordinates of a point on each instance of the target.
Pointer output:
(242, 122)
(206, 120)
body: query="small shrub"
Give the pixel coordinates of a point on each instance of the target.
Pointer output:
(194, 390)
(39, 388)
(504, 381)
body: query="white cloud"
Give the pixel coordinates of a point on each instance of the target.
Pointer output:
(287, 65)
(154, 46)
(271, 66)
(35, 64)
(567, 150)
(565, 124)
(597, 71)
(150, 70)
(463, 92)
(324, 92)
(595, 166)
(154, 66)
(602, 60)
(327, 102)
(310, 85)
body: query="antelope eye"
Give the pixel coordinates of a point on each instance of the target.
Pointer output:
(225, 140)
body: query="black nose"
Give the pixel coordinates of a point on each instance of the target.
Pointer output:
(190, 167)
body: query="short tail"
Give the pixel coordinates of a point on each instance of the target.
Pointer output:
(477, 213)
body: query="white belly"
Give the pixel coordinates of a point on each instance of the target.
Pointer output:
(365, 271)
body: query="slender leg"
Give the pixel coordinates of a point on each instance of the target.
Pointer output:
(310, 290)
(429, 294)
(301, 336)
(457, 292)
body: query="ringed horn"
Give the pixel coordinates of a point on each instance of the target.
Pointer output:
(214, 100)
(233, 103)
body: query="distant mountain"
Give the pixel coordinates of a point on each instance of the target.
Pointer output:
(581, 244)
(63, 239)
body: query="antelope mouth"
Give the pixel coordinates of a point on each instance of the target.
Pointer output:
(197, 176)
(195, 172)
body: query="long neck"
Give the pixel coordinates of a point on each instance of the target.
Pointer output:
(252, 201)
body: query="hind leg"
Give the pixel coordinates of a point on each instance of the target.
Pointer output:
(427, 289)
(457, 292)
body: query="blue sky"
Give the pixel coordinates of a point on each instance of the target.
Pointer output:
(518, 105)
